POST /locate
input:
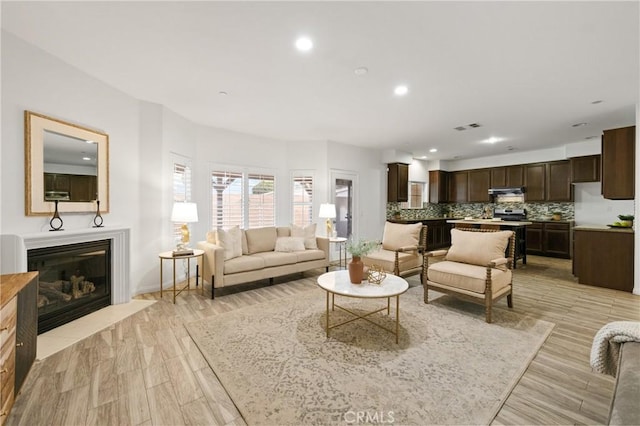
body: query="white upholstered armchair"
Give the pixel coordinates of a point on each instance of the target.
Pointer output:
(402, 250)
(474, 268)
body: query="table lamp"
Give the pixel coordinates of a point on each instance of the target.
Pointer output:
(184, 213)
(328, 211)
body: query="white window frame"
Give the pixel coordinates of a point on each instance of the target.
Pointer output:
(309, 176)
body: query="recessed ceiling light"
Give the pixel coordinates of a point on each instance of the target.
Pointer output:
(578, 124)
(86, 158)
(401, 90)
(599, 101)
(222, 93)
(361, 71)
(90, 141)
(592, 137)
(433, 150)
(304, 44)
(492, 139)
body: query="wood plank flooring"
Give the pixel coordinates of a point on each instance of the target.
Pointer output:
(146, 370)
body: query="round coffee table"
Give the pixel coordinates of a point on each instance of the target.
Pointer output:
(337, 282)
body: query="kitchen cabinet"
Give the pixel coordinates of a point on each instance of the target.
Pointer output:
(585, 169)
(535, 180)
(515, 175)
(438, 233)
(479, 182)
(397, 182)
(498, 177)
(18, 332)
(438, 180)
(604, 257)
(458, 186)
(618, 163)
(552, 239)
(558, 181)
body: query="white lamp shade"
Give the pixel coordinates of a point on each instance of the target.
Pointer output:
(184, 212)
(327, 211)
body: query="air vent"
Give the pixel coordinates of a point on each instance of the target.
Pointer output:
(460, 128)
(468, 126)
(474, 125)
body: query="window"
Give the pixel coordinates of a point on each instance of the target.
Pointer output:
(181, 183)
(262, 203)
(243, 199)
(227, 189)
(416, 191)
(302, 200)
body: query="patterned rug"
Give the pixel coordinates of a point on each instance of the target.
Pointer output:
(449, 367)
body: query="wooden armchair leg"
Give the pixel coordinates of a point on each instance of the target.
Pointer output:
(487, 310)
(426, 293)
(509, 300)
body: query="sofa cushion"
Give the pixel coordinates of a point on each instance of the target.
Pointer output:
(283, 231)
(243, 264)
(398, 235)
(477, 248)
(231, 241)
(274, 258)
(386, 259)
(308, 233)
(467, 277)
(245, 246)
(289, 244)
(261, 239)
(308, 255)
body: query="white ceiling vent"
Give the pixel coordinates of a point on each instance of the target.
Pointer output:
(468, 126)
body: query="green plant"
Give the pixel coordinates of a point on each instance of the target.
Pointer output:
(625, 216)
(361, 247)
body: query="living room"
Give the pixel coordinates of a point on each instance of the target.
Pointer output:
(146, 136)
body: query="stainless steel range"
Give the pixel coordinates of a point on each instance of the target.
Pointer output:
(514, 215)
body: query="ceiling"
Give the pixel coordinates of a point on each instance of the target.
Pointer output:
(525, 71)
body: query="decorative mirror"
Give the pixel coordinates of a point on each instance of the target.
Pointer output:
(64, 162)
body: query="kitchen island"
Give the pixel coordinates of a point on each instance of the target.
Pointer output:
(519, 227)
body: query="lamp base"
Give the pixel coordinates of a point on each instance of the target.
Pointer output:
(329, 228)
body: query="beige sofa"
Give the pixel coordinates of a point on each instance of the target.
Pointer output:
(238, 256)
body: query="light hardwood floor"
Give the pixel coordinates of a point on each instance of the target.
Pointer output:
(146, 369)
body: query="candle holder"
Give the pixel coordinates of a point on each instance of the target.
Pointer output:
(56, 221)
(97, 220)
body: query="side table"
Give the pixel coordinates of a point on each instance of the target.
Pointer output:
(341, 242)
(168, 255)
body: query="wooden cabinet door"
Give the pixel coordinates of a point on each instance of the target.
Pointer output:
(458, 188)
(585, 169)
(498, 177)
(515, 175)
(534, 238)
(479, 181)
(557, 240)
(438, 186)
(534, 180)
(26, 331)
(558, 181)
(397, 182)
(618, 163)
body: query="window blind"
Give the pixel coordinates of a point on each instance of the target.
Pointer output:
(227, 195)
(302, 200)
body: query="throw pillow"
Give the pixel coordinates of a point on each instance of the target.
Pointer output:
(231, 241)
(398, 235)
(308, 233)
(289, 244)
(477, 248)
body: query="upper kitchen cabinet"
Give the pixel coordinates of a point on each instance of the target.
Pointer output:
(585, 169)
(397, 182)
(515, 175)
(535, 181)
(618, 163)
(438, 186)
(498, 177)
(479, 182)
(458, 186)
(558, 181)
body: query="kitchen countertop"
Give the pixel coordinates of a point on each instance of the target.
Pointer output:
(602, 228)
(490, 222)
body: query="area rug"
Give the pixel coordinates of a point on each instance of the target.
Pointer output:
(449, 367)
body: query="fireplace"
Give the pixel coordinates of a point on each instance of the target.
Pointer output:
(74, 280)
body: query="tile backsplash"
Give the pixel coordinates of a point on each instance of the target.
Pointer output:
(539, 211)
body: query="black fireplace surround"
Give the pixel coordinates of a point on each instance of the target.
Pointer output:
(74, 281)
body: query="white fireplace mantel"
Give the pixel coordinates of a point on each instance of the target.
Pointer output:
(14, 253)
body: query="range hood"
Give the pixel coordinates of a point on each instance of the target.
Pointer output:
(516, 190)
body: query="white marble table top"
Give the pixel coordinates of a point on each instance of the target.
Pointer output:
(338, 282)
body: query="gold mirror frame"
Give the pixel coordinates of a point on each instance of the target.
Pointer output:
(34, 127)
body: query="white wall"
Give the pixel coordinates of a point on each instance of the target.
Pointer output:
(591, 208)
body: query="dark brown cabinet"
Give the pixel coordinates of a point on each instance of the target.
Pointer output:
(397, 182)
(438, 180)
(604, 258)
(535, 181)
(78, 187)
(585, 169)
(479, 183)
(498, 177)
(438, 233)
(551, 239)
(618, 163)
(558, 181)
(515, 175)
(458, 186)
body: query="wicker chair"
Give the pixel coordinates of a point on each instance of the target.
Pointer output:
(474, 267)
(402, 250)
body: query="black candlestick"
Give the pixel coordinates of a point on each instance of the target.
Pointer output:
(97, 220)
(56, 221)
